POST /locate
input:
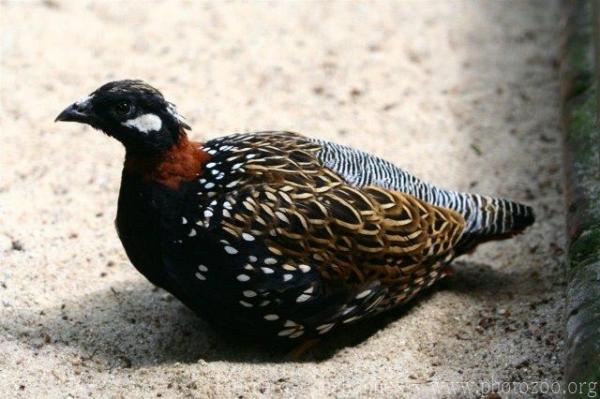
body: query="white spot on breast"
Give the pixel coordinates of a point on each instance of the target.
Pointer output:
(183, 220)
(287, 277)
(283, 333)
(202, 268)
(252, 258)
(144, 123)
(209, 185)
(246, 304)
(271, 317)
(230, 250)
(211, 165)
(270, 261)
(243, 277)
(302, 298)
(266, 270)
(208, 213)
(200, 276)
(249, 294)
(363, 294)
(192, 233)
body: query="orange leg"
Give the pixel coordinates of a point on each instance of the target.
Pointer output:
(447, 271)
(298, 352)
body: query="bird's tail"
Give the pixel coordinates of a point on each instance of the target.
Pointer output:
(490, 219)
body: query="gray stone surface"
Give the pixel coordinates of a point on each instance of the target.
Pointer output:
(582, 164)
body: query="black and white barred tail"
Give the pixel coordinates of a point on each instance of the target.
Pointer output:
(492, 219)
(486, 218)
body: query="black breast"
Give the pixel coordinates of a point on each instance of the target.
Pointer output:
(141, 212)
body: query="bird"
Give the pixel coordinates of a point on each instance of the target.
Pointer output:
(274, 235)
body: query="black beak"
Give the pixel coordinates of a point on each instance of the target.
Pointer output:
(74, 113)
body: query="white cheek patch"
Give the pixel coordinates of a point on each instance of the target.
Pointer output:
(145, 123)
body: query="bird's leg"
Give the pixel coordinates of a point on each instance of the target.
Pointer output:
(299, 351)
(448, 270)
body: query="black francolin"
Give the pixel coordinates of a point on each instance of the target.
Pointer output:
(274, 234)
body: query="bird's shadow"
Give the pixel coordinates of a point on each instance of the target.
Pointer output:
(136, 325)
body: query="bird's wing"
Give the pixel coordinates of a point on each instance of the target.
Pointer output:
(486, 218)
(303, 209)
(352, 234)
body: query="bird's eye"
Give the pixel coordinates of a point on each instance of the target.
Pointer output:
(123, 108)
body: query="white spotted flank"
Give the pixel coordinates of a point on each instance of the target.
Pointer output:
(200, 276)
(363, 294)
(288, 331)
(323, 328)
(304, 268)
(230, 250)
(246, 304)
(247, 237)
(302, 298)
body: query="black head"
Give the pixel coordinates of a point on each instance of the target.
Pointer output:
(131, 111)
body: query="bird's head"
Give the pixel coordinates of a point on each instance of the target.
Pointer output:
(131, 111)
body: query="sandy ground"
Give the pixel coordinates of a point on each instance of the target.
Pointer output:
(464, 94)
